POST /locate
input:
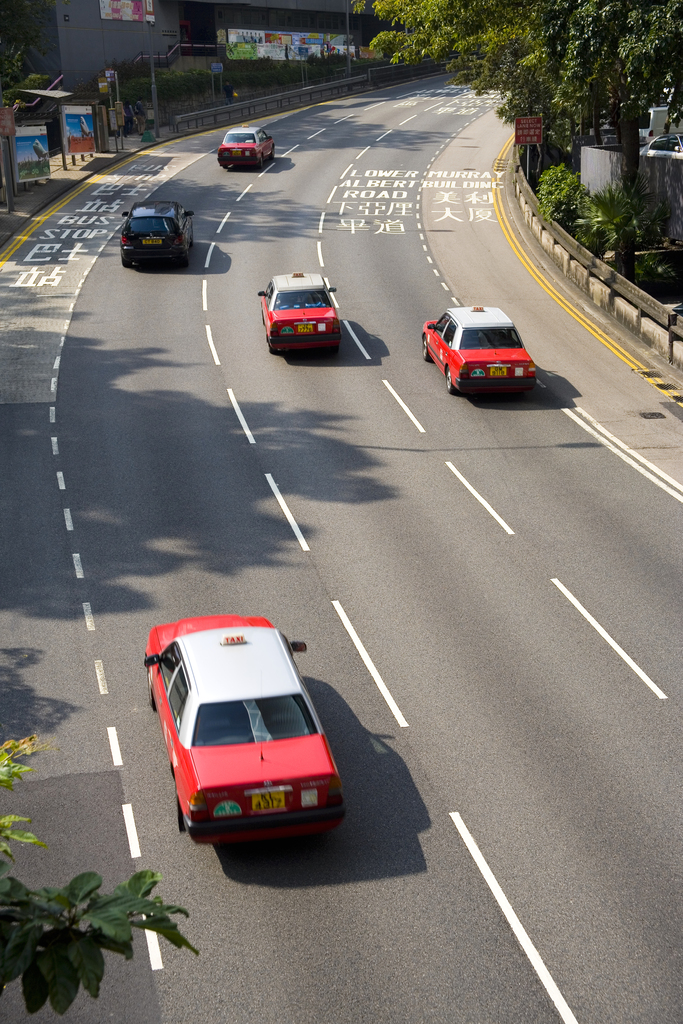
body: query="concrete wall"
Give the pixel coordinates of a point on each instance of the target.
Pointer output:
(666, 180)
(600, 166)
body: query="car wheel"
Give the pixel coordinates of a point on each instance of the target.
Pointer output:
(184, 261)
(425, 350)
(270, 347)
(152, 702)
(334, 350)
(192, 239)
(259, 165)
(272, 153)
(450, 386)
(126, 263)
(181, 820)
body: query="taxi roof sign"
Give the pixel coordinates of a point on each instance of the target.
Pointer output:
(233, 638)
(299, 274)
(477, 309)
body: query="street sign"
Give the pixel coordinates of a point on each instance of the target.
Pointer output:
(216, 69)
(528, 131)
(104, 85)
(7, 121)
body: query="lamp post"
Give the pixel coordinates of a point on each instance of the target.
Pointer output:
(348, 42)
(155, 105)
(6, 150)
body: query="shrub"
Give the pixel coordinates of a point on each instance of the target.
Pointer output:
(10, 96)
(560, 195)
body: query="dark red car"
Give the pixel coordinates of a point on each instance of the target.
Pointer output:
(246, 145)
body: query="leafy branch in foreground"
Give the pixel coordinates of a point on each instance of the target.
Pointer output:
(10, 772)
(54, 938)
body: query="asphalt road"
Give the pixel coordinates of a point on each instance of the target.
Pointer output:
(560, 758)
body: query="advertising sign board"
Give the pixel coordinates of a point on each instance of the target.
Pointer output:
(121, 10)
(33, 162)
(77, 130)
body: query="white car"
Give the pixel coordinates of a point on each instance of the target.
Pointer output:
(665, 146)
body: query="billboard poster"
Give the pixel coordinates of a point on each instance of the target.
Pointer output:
(77, 130)
(252, 44)
(33, 162)
(121, 10)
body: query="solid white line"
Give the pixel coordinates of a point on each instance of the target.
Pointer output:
(369, 664)
(320, 225)
(240, 417)
(332, 295)
(209, 338)
(220, 226)
(343, 175)
(208, 255)
(52, 414)
(481, 500)
(625, 458)
(55, 446)
(267, 168)
(329, 198)
(290, 150)
(89, 620)
(115, 748)
(373, 105)
(404, 406)
(67, 519)
(60, 481)
(613, 644)
(432, 107)
(361, 153)
(288, 515)
(320, 254)
(406, 120)
(317, 133)
(78, 566)
(514, 922)
(131, 830)
(631, 452)
(204, 304)
(351, 331)
(343, 119)
(383, 136)
(244, 193)
(101, 680)
(155, 960)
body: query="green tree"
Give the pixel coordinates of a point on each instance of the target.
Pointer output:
(22, 25)
(560, 196)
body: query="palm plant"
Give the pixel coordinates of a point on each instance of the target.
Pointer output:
(622, 217)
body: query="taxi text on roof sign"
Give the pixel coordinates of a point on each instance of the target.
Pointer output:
(230, 640)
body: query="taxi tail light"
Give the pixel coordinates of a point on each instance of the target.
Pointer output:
(197, 806)
(335, 794)
(335, 325)
(464, 370)
(531, 369)
(274, 330)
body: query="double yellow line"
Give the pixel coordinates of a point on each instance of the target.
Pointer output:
(603, 338)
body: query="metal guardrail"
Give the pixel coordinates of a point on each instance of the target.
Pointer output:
(656, 311)
(258, 106)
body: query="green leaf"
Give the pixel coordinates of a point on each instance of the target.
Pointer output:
(82, 887)
(140, 884)
(111, 921)
(61, 977)
(35, 987)
(87, 958)
(20, 949)
(168, 929)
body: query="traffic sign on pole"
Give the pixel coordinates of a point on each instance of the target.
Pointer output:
(217, 69)
(528, 131)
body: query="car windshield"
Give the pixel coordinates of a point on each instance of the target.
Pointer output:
(302, 300)
(252, 721)
(143, 225)
(490, 337)
(238, 138)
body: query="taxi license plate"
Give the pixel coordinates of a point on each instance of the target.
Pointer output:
(152, 241)
(498, 371)
(304, 328)
(236, 152)
(267, 801)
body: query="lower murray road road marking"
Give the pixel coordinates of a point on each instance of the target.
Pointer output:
(209, 253)
(403, 405)
(89, 620)
(370, 666)
(209, 338)
(514, 922)
(288, 515)
(240, 417)
(131, 830)
(627, 454)
(114, 745)
(353, 335)
(101, 678)
(605, 636)
(481, 500)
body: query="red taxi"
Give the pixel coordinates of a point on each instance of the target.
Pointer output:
(248, 753)
(246, 145)
(298, 312)
(478, 349)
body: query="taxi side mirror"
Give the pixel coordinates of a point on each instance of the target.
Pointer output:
(298, 646)
(125, 213)
(332, 289)
(431, 327)
(189, 213)
(261, 293)
(152, 659)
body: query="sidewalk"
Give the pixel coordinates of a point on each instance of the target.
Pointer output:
(36, 197)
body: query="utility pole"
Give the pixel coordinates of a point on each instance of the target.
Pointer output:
(155, 105)
(348, 42)
(7, 170)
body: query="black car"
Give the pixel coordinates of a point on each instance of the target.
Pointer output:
(156, 231)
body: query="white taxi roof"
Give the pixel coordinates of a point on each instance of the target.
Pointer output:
(289, 283)
(260, 667)
(485, 316)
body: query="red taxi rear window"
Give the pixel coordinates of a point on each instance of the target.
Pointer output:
(252, 721)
